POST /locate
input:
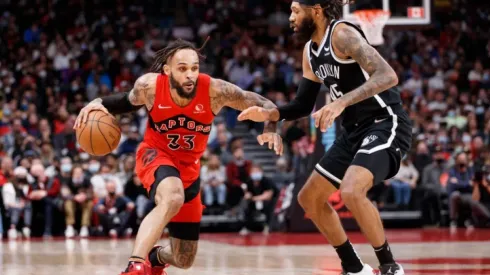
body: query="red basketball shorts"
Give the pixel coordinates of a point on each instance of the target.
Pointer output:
(154, 165)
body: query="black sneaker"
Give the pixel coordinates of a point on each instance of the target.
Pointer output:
(391, 269)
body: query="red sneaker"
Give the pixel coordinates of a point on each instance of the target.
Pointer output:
(156, 270)
(138, 269)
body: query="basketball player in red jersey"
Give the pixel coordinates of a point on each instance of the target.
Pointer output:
(181, 104)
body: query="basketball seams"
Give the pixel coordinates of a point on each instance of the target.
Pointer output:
(91, 143)
(109, 127)
(103, 135)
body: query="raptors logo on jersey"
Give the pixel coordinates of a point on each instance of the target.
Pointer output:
(177, 136)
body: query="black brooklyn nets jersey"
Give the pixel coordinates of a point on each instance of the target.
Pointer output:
(343, 76)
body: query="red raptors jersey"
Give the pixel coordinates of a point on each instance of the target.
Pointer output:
(180, 132)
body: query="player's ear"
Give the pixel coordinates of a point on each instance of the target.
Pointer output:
(166, 69)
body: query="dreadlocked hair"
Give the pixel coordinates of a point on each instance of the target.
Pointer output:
(332, 9)
(162, 56)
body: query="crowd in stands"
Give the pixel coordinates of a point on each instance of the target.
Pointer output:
(55, 56)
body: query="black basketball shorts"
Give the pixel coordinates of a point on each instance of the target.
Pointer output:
(377, 145)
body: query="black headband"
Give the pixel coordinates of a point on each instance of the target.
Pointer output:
(309, 2)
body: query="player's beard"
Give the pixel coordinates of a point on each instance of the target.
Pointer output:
(180, 89)
(306, 29)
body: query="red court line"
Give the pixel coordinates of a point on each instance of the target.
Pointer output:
(393, 236)
(449, 261)
(473, 271)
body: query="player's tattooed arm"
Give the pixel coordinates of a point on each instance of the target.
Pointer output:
(348, 42)
(224, 93)
(143, 92)
(180, 253)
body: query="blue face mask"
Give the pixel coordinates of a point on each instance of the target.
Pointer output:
(94, 167)
(256, 176)
(66, 168)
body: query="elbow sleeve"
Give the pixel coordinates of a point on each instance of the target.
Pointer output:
(118, 103)
(303, 103)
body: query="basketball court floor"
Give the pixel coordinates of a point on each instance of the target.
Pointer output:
(434, 251)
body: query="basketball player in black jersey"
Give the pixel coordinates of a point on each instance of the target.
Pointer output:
(377, 130)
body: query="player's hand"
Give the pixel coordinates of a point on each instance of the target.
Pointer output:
(82, 118)
(325, 117)
(255, 113)
(274, 140)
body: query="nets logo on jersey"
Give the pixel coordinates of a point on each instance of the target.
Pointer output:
(368, 140)
(180, 121)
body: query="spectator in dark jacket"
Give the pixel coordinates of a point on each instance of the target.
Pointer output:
(78, 193)
(45, 191)
(259, 195)
(135, 191)
(114, 212)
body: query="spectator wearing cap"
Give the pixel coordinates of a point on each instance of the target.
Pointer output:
(16, 202)
(45, 192)
(432, 188)
(78, 193)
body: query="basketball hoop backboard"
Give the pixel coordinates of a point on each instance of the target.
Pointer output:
(403, 12)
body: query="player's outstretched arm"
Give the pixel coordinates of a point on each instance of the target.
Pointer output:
(299, 107)
(224, 93)
(348, 42)
(143, 93)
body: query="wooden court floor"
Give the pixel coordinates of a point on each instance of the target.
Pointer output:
(420, 251)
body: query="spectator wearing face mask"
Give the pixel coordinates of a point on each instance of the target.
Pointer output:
(78, 193)
(114, 212)
(45, 193)
(237, 173)
(259, 194)
(16, 202)
(65, 170)
(432, 188)
(459, 189)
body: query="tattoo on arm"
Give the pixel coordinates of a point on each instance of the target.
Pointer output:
(180, 253)
(349, 42)
(142, 93)
(228, 94)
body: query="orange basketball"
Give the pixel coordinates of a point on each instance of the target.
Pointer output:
(100, 135)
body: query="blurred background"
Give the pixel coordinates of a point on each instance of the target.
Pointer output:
(56, 56)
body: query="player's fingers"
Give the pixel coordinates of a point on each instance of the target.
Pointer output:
(326, 121)
(260, 139)
(85, 115)
(277, 144)
(316, 116)
(245, 114)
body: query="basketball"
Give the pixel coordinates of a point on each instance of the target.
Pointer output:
(100, 135)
